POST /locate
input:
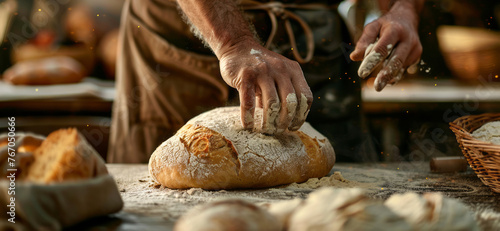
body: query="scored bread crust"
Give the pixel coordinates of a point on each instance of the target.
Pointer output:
(213, 151)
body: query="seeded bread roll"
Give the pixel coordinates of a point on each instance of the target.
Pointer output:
(212, 151)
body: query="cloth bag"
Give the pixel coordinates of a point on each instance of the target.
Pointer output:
(52, 206)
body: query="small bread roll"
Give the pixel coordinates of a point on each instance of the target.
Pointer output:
(46, 71)
(228, 215)
(213, 151)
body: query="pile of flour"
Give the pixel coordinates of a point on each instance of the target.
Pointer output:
(334, 180)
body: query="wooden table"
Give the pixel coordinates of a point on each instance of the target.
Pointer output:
(150, 208)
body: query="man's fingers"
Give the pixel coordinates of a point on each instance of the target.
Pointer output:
(395, 79)
(304, 102)
(393, 69)
(388, 73)
(414, 59)
(370, 48)
(289, 103)
(271, 106)
(247, 105)
(369, 36)
(258, 101)
(301, 113)
(380, 50)
(412, 69)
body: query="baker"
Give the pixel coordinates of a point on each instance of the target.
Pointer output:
(177, 59)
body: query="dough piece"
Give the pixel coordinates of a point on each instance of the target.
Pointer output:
(65, 155)
(227, 215)
(489, 132)
(344, 209)
(432, 211)
(213, 151)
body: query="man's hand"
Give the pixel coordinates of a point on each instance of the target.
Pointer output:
(268, 80)
(262, 77)
(390, 44)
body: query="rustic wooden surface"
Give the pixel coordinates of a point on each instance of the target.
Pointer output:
(151, 208)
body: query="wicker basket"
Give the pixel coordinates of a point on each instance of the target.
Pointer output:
(470, 52)
(482, 156)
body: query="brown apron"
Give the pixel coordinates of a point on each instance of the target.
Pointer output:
(165, 75)
(159, 86)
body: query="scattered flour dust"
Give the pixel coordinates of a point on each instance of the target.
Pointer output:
(334, 180)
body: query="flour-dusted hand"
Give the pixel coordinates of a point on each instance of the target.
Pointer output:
(262, 77)
(390, 44)
(266, 79)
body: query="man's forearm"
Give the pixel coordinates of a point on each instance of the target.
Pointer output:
(220, 22)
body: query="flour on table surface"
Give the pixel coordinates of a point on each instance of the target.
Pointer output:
(380, 181)
(335, 180)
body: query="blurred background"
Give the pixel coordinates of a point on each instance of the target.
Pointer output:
(57, 62)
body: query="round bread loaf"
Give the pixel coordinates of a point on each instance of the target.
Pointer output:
(213, 151)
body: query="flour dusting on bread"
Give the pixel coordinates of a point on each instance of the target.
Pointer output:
(213, 151)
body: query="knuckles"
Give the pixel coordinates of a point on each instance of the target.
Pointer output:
(397, 62)
(399, 28)
(373, 27)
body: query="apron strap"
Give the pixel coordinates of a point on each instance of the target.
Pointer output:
(278, 9)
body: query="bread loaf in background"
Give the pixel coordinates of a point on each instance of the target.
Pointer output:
(212, 151)
(45, 71)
